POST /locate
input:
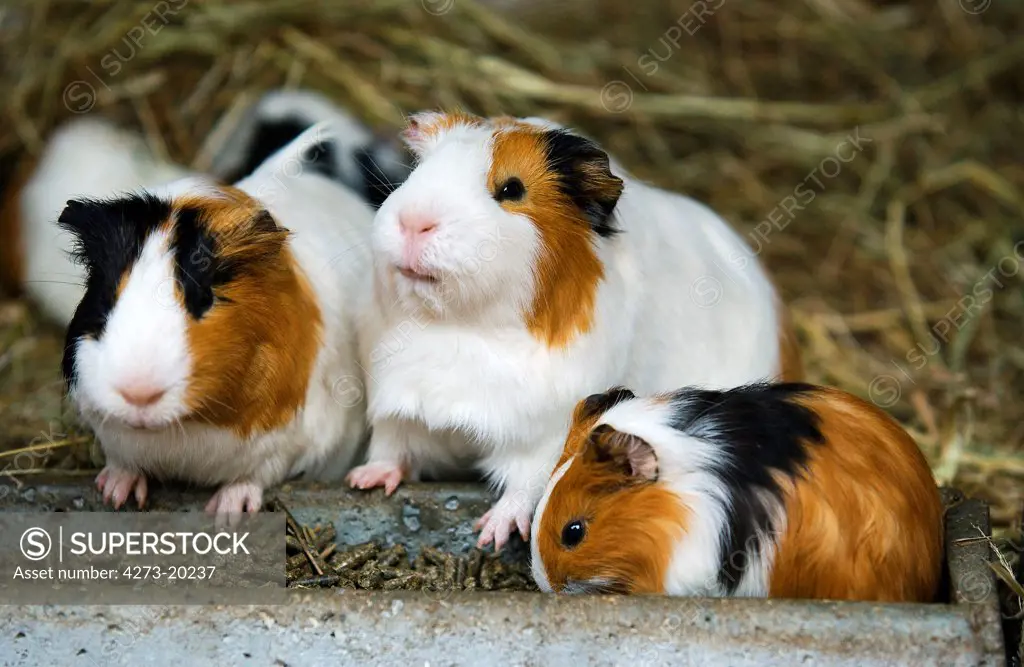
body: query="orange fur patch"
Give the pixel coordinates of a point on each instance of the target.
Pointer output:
(568, 269)
(442, 122)
(578, 432)
(865, 522)
(253, 352)
(12, 254)
(631, 525)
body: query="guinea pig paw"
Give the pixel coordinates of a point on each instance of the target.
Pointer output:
(117, 485)
(499, 522)
(372, 475)
(232, 500)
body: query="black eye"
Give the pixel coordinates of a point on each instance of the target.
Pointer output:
(573, 534)
(511, 190)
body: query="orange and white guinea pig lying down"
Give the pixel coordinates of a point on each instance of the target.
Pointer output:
(782, 490)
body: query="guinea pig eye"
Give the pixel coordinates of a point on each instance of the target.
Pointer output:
(573, 534)
(511, 190)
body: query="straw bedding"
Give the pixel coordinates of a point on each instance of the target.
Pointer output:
(870, 151)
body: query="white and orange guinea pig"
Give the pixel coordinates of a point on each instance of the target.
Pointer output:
(215, 340)
(519, 268)
(783, 490)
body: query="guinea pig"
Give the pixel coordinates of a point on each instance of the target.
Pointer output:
(368, 163)
(519, 268)
(86, 157)
(215, 341)
(785, 490)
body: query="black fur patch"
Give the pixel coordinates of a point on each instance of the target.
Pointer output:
(378, 182)
(596, 404)
(109, 236)
(198, 267)
(322, 158)
(372, 180)
(270, 136)
(195, 261)
(761, 429)
(576, 160)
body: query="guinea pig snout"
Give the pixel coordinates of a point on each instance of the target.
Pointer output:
(417, 228)
(141, 394)
(416, 224)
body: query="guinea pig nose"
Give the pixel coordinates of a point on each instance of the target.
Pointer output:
(416, 224)
(141, 395)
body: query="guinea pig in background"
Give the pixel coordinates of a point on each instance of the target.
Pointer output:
(367, 163)
(86, 157)
(781, 490)
(517, 269)
(216, 326)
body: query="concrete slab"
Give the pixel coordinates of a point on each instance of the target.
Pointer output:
(369, 628)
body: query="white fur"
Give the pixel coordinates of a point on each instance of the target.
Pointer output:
(144, 338)
(86, 157)
(311, 108)
(454, 363)
(143, 344)
(685, 466)
(540, 574)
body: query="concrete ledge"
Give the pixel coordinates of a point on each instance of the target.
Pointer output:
(358, 627)
(512, 628)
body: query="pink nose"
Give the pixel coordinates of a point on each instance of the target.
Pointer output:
(141, 395)
(416, 224)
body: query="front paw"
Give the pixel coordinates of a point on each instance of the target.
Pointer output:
(498, 524)
(232, 500)
(117, 484)
(372, 475)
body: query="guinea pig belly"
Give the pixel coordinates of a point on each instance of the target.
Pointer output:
(196, 454)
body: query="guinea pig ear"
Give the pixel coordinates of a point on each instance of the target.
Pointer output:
(625, 452)
(421, 132)
(261, 241)
(104, 230)
(74, 219)
(264, 223)
(585, 176)
(596, 404)
(426, 128)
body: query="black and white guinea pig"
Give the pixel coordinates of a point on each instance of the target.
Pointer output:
(85, 157)
(368, 163)
(781, 490)
(214, 343)
(519, 268)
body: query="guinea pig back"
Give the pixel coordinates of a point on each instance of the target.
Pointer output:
(781, 490)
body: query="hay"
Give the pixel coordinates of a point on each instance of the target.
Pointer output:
(896, 248)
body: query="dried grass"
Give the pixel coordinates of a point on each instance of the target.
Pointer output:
(902, 271)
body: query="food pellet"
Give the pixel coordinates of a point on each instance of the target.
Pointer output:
(322, 581)
(407, 581)
(355, 557)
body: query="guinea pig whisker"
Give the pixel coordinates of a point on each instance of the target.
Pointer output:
(203, 418)
(594, 585)
(56, 282)
(203, 403)
(380, 176)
